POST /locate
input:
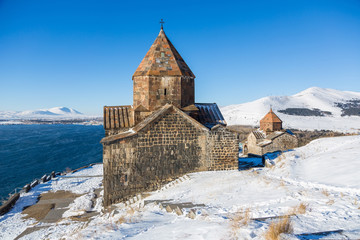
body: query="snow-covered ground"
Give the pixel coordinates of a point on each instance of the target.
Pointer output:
(312, 98)
(323, 176)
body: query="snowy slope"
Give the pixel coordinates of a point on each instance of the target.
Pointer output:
(323, 176)
(328, 102)
(331, 161)
(52, 113)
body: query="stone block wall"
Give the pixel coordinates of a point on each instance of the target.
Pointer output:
(254, 149)
(164, 90)
(141, 91)
(223, 149)
(167, 149)
(153, 92)
(270, 126)
(281, 143)
(187, 91)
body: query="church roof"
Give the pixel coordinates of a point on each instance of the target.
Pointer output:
(210, 114)
(163, 60)
(116, 117)
(271, 117)
(258, 134)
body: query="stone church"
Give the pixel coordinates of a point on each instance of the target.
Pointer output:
(271, 137)
(164, 134)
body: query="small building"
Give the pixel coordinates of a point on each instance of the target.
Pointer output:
(271, 137)
(164, 134)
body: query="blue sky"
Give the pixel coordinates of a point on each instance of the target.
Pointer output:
(82, 54)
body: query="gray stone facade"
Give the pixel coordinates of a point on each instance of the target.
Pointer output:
(223, 148)
(259, 143)
(169, 146)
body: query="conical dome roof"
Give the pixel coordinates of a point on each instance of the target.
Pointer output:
(163, 60)
(271, 117)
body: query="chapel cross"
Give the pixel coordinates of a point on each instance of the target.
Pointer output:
(162, 22)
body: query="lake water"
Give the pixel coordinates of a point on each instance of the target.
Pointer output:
(29, 151)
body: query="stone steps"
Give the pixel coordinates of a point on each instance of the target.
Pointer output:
(173, 183)
(139, 198)
(186, 208)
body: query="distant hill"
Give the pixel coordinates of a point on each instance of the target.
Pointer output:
(313, 108)
(52, 113)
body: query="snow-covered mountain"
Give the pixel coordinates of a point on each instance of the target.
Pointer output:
(52, 113)
(313, 108)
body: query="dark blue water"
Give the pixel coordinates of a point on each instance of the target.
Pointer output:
(30, 151)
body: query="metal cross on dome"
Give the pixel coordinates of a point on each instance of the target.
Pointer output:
(162, 22)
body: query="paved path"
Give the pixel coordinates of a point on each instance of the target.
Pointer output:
(60, 201)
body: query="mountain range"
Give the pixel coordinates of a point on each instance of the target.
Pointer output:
(311, 109)
(51, 113)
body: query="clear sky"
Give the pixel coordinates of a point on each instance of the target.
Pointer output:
(82, 54)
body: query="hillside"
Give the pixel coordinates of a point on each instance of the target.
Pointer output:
(313, 108)
(316, 186)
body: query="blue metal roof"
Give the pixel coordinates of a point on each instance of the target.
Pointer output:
(210, 115)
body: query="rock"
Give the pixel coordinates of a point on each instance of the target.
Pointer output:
(191, 214)
(115, 212)
(48, 178)
(178, 211)
(269, 163)
(26, 188)
(34, 183)
(168, 208)
(43, 178)
(9, 203)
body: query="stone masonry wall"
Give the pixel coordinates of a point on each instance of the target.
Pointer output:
(167, 149)
(164, 90)
(187, 91)
(141, 92)
(254, 149)
(153, 92)
(223, 148)
(281, 143)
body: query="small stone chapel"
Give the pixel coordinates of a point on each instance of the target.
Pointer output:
(164, 134)
(270, 137)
